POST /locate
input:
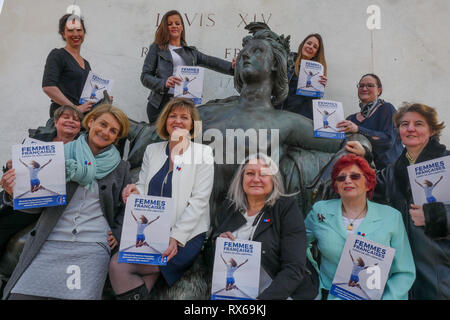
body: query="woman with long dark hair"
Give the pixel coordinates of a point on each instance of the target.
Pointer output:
(311, 48)
(168, 51)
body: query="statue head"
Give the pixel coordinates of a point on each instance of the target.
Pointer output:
(276, 59)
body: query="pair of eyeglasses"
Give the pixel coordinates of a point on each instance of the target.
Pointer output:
(368, 85)
(353, 176)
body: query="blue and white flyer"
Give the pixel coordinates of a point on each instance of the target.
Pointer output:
(308, 79)
(94, 87)
(430, 181)
(326, 115)
(236, 270)
(191, 86)
(145, 230)
(40, 175)
(363, 269)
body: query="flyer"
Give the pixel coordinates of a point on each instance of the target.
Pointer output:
(94, 87)
(363, 269)
(40, 175)
(191, 86)
(326, 115)
(430, 181)
(145, 230)
(308, 79)
(236, 270)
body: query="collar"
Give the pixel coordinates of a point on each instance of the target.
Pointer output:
(333, 217)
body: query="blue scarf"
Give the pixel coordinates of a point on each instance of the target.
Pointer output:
(81, 165)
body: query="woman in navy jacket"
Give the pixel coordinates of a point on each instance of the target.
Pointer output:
(375, 121)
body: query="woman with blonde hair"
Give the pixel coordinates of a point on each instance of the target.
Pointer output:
(184, 171)
(83, 232)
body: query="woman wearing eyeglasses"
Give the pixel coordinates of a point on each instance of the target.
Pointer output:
(375, 122)
(331, 221)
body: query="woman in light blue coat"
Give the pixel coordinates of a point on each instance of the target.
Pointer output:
(330, 222)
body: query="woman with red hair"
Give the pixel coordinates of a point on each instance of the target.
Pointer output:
(331, 221)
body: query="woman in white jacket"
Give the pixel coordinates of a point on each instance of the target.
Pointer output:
(184, 171)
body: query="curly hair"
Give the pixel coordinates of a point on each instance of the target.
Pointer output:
(280, 49)
(352, 159)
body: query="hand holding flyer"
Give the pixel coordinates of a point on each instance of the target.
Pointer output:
(236, 270)
(308, 79)
(363, 269)
(146, 229)
(326, 115)
(430, 181)
(40, 175)
(191, 86)
(94, 87)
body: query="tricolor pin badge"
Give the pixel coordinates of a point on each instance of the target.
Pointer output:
(178, 168)
(361, 234)
(266, 220)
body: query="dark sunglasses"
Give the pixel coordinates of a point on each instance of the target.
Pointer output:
(353, 176)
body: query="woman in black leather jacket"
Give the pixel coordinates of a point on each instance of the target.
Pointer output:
(168, 51)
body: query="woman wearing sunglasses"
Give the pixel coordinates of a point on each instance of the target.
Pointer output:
(374, 121)
(331, 221)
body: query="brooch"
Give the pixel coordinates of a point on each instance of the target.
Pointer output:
(320, 217)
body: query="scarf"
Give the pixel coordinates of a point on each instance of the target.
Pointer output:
(83, 167)
(367, 108)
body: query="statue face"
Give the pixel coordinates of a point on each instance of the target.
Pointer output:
(257, 60)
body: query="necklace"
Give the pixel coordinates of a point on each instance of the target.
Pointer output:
(350, 226)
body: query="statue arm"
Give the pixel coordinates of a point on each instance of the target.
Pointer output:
(298, 131)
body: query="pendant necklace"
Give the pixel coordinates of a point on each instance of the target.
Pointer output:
(350, 226)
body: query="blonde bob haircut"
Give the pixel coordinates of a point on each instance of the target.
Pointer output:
(161, 128)
(236, 192)
(120, 116)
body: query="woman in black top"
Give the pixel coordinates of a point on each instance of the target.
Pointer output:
(168, 51)
(65, 70)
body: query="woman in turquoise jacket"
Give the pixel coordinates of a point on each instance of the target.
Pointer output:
(331, 221)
